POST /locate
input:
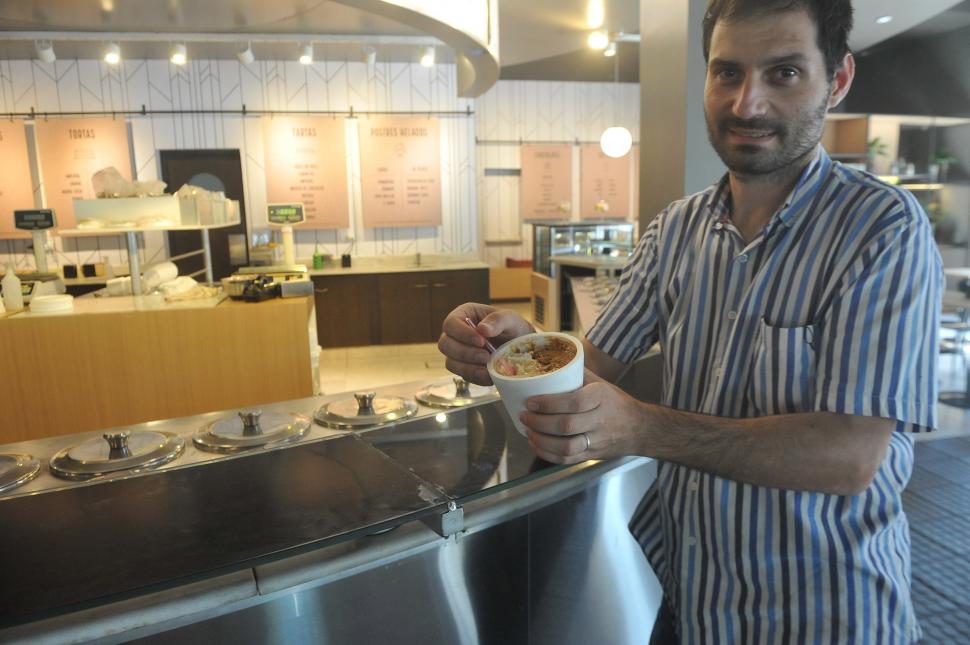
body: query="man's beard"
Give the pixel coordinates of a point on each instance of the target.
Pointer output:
(795, 140)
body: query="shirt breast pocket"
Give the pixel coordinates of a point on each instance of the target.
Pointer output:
(783, 372)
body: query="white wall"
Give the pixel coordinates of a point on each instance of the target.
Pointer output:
(527, 111)
(69, 85)
(511, 110)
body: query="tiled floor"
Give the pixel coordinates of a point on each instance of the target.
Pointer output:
(937, 499)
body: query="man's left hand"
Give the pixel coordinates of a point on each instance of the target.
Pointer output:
(597, 421)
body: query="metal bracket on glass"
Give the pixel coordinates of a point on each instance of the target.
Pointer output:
(449, 523)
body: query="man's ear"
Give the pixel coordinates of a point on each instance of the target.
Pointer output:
(842, 81)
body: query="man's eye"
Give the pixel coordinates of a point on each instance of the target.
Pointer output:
(727, 74)
(786, 73)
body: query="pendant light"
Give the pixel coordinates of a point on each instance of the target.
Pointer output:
(616, 141)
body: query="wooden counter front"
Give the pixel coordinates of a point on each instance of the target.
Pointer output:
(73, 373)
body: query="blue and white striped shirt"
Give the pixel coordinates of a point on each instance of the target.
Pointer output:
(833, 307)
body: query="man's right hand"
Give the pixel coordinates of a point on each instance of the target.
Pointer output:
(464, 347)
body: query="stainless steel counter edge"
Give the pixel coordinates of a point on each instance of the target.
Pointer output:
(117, 621)
(332, 563)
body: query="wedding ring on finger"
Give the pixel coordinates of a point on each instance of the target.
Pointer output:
(588, 443)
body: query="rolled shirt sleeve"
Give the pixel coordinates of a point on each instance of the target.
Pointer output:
(878, 338)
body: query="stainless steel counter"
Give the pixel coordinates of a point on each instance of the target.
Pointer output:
(440, 528)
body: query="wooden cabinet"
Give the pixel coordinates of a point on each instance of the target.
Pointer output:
(392, 308)
(405, 300)
(452, 288)
(413, 305)
(348, 310)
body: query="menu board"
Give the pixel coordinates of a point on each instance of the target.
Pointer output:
(71, 151)
(547, 178)
(604, 191)
(400, 171)
(16, 189)
(306, 163)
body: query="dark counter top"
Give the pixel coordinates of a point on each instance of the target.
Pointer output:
(81, 546)
(84, 545)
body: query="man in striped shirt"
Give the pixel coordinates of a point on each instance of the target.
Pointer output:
(796, 303)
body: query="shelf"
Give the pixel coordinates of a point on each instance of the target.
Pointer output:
(120, 230)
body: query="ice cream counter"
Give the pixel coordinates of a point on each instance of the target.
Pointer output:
(117, 361)
(416, 514)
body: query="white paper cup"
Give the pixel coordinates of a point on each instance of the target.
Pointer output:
(515, 390)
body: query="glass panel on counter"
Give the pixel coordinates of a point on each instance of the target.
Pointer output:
(462, 452)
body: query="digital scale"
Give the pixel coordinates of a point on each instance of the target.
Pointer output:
(39, 282)
(288, 279)
(286, 216)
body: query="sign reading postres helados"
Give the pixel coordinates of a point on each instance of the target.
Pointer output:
(400, 163)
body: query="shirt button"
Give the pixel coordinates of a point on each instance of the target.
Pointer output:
(743, 258)
(732, 315)
(718, 371)
(693, 486)
(718, 226)
(691, 541)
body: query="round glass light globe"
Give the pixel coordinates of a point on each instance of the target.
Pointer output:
(616, 141)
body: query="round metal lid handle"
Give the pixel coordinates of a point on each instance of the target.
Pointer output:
(365, 402)
(250, 419)
(118, 444)
(461, 388)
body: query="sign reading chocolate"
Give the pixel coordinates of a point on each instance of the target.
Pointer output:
(306, 163)
(71, 151)
(16, 187)
(604, 191)
(546, 181)
(400, 171)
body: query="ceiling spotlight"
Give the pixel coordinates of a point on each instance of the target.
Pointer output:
(370, 56)
(245, 54)
(610, 50)
(179, 54)
(595, 14)
(45, 51)
(306, 57)
(427, 56)
(598, 40)
(882, 20)
(112, 54)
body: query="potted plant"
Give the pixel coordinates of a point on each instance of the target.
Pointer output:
(942, 161)
(875, 147)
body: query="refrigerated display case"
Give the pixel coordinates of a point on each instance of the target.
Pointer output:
(564, 249)
(593, 239)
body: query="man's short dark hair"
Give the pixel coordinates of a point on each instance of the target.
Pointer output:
(833, 20)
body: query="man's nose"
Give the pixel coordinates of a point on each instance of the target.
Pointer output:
(751, 99)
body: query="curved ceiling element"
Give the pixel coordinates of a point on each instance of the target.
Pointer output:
(468, 26)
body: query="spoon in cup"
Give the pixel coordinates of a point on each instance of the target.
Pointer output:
(503, 365)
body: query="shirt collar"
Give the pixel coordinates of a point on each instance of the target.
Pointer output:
(808, 184)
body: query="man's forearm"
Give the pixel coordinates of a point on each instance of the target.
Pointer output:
(815, 451)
